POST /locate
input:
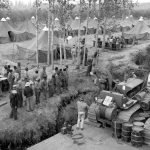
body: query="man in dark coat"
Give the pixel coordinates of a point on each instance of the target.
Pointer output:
(13, 103)
(51, 86)
(37, 90)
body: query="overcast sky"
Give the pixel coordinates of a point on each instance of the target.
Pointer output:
(27, 1)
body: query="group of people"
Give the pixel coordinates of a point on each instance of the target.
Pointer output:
(25, 88)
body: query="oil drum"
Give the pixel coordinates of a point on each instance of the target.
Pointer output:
(146, 136)
(137, 136)
(117, 128)
(140, 96)
(111, 113)
(102, 111)
(145, 105)
(145, 115)
(126, 131)
(139, 119)
(138, 124)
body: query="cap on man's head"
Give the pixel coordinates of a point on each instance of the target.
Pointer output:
(14, 86)
(81, 99)
(27, 84)
(14, 91)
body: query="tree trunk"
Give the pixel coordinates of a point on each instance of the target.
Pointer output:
(49, 42)
(78, 60)
(97, 31)
(64, 48)
(37, 54)
(60, 51)
(86, 33)
(104, 34)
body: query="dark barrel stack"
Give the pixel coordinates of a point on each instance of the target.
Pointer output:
(138, 124)
(117, 128)
(137, 136)
(140, 119)
(147, 132)
(126, 131)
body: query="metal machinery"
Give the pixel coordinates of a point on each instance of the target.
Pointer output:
(119, 104)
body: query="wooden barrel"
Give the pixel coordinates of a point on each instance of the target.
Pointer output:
(138, 124)
(137, 136)
(140, 96)
(117, 128)
(126, 138)
(139, 119)
(146, 136)
(111, 114)
(145, 105)
(102, 111)
(145, 115)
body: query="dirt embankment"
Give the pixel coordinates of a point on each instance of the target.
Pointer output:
(47, 118)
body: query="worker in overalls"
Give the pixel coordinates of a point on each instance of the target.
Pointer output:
(82, 109)
(14, 103)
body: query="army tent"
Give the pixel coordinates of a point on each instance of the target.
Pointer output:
(42, 47)
(140, 31)
(9, 34)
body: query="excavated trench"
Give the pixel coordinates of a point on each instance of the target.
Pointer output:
(66, 111)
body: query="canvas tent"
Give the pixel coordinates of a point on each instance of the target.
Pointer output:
(140, 31)
(8, 33)
(92, 25)
(31, 47)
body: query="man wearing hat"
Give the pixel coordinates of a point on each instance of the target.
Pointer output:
(28, 93)
(13, 103)
(20, 93)
(82, 108)
(37, 90)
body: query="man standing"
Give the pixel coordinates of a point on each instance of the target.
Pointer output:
(19, 69)
(44, 87)
(43, 73)
(10, 79)
(37, 90)
(28, 93)
(51, 86)
(13, 103)
(36, 75)
(20, 92)
(82, 108)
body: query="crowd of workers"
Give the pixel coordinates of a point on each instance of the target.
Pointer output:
(25, 88)
(113, 42)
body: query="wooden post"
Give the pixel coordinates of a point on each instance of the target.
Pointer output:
(60, 51)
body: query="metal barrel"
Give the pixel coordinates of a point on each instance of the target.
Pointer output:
(138, 124)
(117, 128)
(140, 119)
(137, 136)
(140, 96)
(126, 131)
(146, 135)
(127, 126)
(145, 104)
(111, 114)
(145, 115)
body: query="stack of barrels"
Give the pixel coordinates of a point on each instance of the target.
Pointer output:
(117, 128)
(147, 132)
(126, 131)
(145, 104)
(137, 136)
